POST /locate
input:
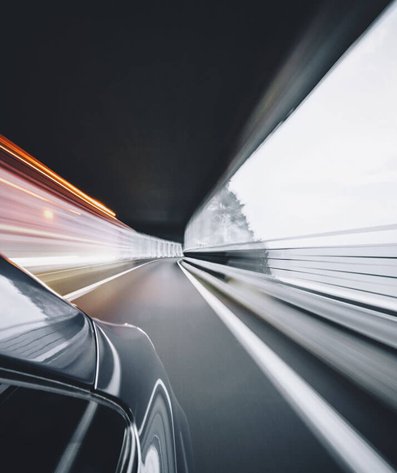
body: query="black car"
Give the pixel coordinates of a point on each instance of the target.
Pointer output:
(80, 395)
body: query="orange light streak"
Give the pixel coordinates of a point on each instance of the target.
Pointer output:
(34, 163)
(74, 211)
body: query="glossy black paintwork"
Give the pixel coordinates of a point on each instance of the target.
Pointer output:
(43, 335)
(39, 327)
(130, 370)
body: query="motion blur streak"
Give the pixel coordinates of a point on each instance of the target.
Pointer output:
(20, 154)
(335, 433)
(23, 190)
(47, 224)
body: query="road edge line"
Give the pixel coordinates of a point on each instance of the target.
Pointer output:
(334, 432)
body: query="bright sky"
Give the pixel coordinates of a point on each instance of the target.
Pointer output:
(333, 164)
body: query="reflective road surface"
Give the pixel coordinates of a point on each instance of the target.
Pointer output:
(255, 400)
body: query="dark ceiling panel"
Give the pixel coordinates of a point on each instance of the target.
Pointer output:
(144, 111)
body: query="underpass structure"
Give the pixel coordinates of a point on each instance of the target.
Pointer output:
(243, 297)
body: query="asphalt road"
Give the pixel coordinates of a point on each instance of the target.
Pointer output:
(65, 281)
(239, 420)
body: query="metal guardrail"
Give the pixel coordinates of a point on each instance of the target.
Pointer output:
(358, 265)
(357, 341)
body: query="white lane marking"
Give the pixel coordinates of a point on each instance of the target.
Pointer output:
(84, 290)
(326, 423)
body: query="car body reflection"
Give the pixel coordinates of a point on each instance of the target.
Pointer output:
(46, 338)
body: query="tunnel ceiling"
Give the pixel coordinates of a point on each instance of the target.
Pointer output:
(144, 110)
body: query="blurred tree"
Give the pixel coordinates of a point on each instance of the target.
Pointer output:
(223, 221)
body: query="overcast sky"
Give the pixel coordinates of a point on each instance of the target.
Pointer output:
(333, 164)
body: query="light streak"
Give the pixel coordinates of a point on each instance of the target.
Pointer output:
(34, 163)
(45, 228)
(33, 194)
(31, 232)
(15, 186)
(74, 211)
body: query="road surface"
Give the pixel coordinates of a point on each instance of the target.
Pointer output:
(242, 417)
